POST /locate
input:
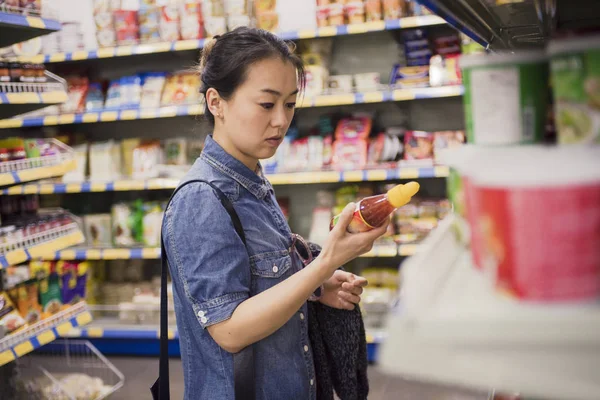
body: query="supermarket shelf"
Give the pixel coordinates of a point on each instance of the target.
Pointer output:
(183, 45)
(33, 174)
(73, 237)
(329, 100)
(454, 328)
(293, 178)
(15, 28)
(31, 338)
(54, 97)
(149, 253)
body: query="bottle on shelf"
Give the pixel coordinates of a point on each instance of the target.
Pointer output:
(372, 211)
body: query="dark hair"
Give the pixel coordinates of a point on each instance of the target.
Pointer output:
(225, 60)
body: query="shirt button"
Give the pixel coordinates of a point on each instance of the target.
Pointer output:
(201, 314)
(302, 316)
(312, 382)
(203, 320)
(275, 269)
(305, 348)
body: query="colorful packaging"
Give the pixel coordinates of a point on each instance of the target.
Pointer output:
(192, 20)
(176, 151)
(169, 23)
(126, 27)
(506, 97)
(146, 157)
(394, 9)
(350, 154)
(575, 68)
(50, 294)
(94, 99)
(340, 84)
(180, 89)
(373, 10)
(9, 316)
(152, 224)
(410, 77)
(122, 225)
(26, 298)
(98, 230)
(418, 145)
(113, 96)
(354, 128)
(149, 21)
(152, 88)
(130, 91)
(355, 12)
(446, 140)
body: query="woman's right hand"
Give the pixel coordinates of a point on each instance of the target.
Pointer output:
(342, 246)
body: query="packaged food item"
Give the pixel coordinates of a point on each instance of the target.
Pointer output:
(265, 5)
(394, 9)
(506, 97)
(146, 157)
(98, 230)
(67, 271)
(78, 87)
(373, 10)
(152, 224)
(126, 27)
(444, 71)
(446, 140)
(152, 88)
(26, 298)
(149, 16)
(130, 88)
(105, 161)
(335, 15)
(367, 81)
(528, 203)
(323, 16)
(340, 83)
(373, 211)
(94, 99)
(349, 154)
(50, 295)
(354, 128)
(576, 87)
(10, 319)
(316, 77)
(175, 152)
(183, 88)
(169, 23)
(31, 6)
(113, 95)
(410, 77)
(355, 12)
(127, 148)
(192, 20)
(122, 225)
(418, 145)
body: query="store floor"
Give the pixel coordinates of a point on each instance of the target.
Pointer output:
(141, 372)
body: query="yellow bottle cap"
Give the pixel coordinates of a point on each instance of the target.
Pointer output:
(401, 194)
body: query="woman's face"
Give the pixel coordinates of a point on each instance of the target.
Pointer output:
(255, 119)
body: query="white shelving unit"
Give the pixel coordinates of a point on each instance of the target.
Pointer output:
(453, 328)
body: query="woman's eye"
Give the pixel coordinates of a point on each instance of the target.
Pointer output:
(290, 105)
(267, 106)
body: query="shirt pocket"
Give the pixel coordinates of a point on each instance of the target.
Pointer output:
(268, 269)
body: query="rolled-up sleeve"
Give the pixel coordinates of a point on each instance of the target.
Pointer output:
(205, 253)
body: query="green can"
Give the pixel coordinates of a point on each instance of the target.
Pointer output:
(575, 74)
(506, 97)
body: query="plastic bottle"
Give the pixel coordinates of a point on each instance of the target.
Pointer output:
(372, 211)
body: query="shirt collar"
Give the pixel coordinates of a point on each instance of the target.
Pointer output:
(218, 158)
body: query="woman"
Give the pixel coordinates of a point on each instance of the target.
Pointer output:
(227, 295)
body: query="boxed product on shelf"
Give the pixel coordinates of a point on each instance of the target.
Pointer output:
(153, 84)
(137, 224)
(169, 22)
(94, 99)
(105, 30)
(81, 165)
(192, 20)
(126, 27)
(147, 156)
(76, 95)
(98, 230)
(73, 277)
(10, 319)
(410, 77)
(446, 140)
(149, 16)
(418, 145)
(181, 88)
(105, 161)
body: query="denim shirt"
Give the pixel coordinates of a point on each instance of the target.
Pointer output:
(212, 273)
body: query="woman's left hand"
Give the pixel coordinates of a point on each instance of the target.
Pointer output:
(343, 290)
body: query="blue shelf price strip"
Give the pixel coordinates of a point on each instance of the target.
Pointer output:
(329, 100)
(292, 178)
(26, 21)
(403, 250)
(196, 44)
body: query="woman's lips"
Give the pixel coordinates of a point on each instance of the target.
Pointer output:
(274, 141)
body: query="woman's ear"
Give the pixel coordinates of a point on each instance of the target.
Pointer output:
(214, 102)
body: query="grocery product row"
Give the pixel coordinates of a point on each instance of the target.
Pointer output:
(385, 94)
(26, 7)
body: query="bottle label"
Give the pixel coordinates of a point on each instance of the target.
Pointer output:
(357, 224)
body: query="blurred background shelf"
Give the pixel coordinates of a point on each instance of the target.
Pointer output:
(196, 44)
(327, 100)
(149, 253)
(292, 178)
(41, 333)
(16, 28)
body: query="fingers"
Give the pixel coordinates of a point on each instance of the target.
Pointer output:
(349, 297)
(345, 305)
(352, 288)
(345, 218)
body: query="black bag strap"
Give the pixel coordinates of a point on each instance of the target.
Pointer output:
(243, 362)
